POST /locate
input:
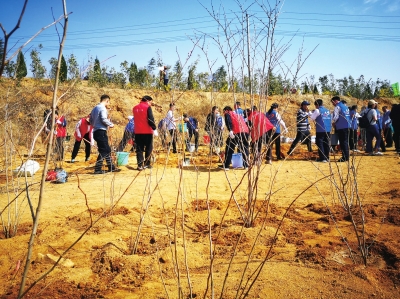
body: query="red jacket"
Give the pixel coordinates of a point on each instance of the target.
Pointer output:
(82, 128)
(61, 129)
(141, 118)
(260, 124)
(238, 123)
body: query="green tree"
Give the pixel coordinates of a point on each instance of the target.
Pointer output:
(73, 67)
(10, 69)
(21, 66)
(323, 81)
(305, 88)
(96, 67)
(191, 80)
(219, 79)
(133, 70)
(37, 68)
(63, 70)
(53, 67)
(315, 89)
(1, 51)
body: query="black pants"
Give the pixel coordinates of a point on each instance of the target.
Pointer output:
(125, 139)
(323, 141)
(257, 146)
(241, 142)
(101, 138)
(343, 135)
(353, 139)
(276, 139)
(174, 137)
(387, 133)
(304, 137)
(396, 138)
(192, 133)
(382, 143)
(77, 145)
(144, 144)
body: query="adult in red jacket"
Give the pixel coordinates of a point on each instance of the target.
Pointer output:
(61, 133)
(238, 137)
(83, 131)
(261, 131)
(145, 128)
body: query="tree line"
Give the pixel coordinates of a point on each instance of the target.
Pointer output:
(149, 76)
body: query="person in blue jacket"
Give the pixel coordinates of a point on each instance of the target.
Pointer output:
(193, 130)
(341, 122)
(323, 126)
(276, 119)
(129, 134)
(380, 128)
(353, 137)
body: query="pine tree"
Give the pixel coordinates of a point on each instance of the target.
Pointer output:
(37, 68)
(63, 70)
(53, 63)
(73, 67)
(1, 51)
(21, 66)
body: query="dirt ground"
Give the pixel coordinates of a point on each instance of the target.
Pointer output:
(178, 232)
(184, 209)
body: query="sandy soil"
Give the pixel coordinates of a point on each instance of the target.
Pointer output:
(178, 232)
(184, 209)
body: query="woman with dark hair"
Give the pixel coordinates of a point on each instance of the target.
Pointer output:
(275, 118)
(212, 128)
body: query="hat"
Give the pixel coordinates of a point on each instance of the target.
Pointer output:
(130, 117)
(305, 103)
(372, 102)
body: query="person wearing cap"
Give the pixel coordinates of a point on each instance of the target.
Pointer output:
(387, 126)
(353, 137)
(261, 132)
(145, 128)
(193, 130)
(171, 125)
(83, 131)
(323, 126)
(100, 123)
(303, 128)
(275, 118)
(129, 134)
(372, 130)
(341, 122)
(238, 137)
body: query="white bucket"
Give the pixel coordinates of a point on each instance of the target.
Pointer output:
(192, 147)
(186, 162)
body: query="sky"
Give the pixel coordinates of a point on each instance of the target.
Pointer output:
(357, 37)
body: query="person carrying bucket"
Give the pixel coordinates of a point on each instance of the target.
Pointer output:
(83, 131)
(238, 137)
(145, 128)
(193, 130)
(129, 134)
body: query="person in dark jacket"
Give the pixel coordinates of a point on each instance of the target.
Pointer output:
(193, 130)
(145, 128)
(303, 128)
(212, 128)
(395, 117)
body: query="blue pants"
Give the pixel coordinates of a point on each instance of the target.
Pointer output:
(373, 131)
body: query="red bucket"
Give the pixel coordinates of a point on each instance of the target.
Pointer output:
(206, 139)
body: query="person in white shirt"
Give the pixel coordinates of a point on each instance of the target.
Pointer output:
(171, 125)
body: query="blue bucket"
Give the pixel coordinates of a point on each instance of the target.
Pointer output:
(237, 160)
(122, 158)
(184, 127)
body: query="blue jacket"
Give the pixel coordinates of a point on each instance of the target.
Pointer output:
(343, 121)
(323, 121)
(353, 120)
(192, 124)
(274, 120)
(130, 127)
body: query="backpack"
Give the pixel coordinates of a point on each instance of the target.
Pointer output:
(363, 121)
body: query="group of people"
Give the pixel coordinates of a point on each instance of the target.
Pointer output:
(248, 129)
